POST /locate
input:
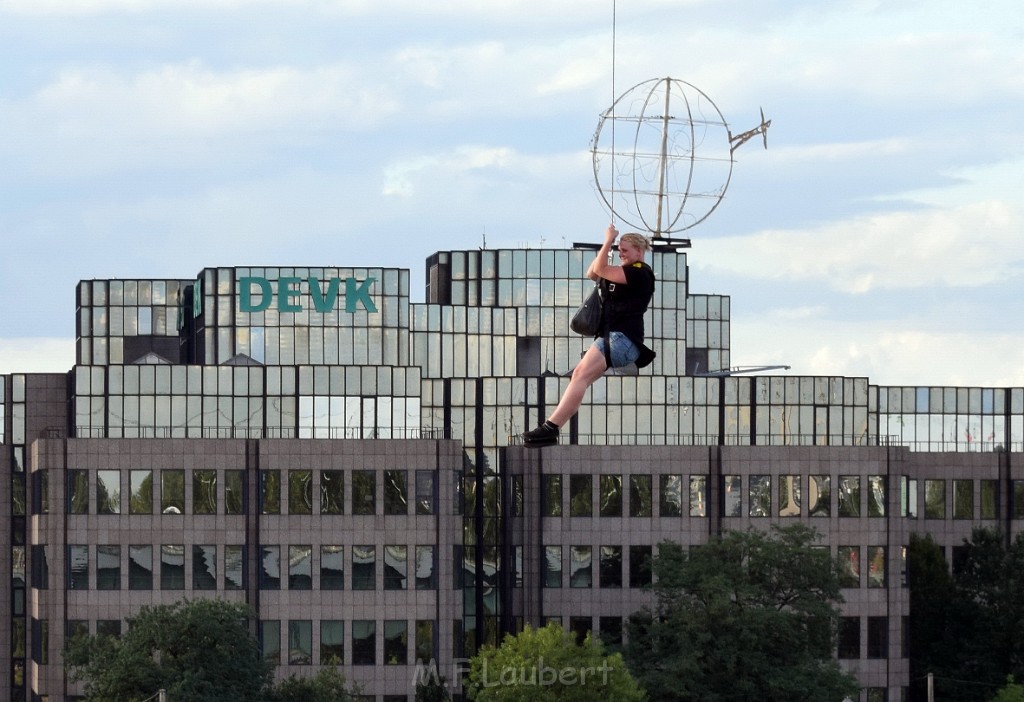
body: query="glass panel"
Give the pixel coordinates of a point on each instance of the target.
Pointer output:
(364, 642)
(270, 637)
(552, 566)
(698, 495)
(732, 495)
(581, 500)
(963, 499)
(426, 494)
(641, 496)
(108, 567)
(849, 566)
(611, 494)
(300, 567)
(396, 642)
(364, 487)
(789, 495)
(140, 567)
(172, 492)
(820, 496)
(332, 567)
(234, 568)
(849, 496)
(640, 572)
(396, 567)
(332, 642)
(172, 567)
(300, 492)
(270, 568)
(876, 495)
(670, 495)
(300, 642)
(78, 568)
(204, 567)
(204, 492)
(876, 566)
(234, 492)
(989, 499)
(760, 496)
(141, 500)
(426, 578)
(78, 492)
(610, 567)
(552, 486)
(424, 640)
(580, 566)
(396, 497)
(364, 562)
(332, 492)
(270, 492)
(935, 499)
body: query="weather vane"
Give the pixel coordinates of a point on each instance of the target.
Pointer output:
(673, 160)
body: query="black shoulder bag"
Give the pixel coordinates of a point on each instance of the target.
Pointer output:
(587, 320)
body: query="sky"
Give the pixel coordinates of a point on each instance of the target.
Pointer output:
(879, 235)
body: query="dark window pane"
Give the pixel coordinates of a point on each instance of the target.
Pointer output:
(640, 573)
(641, 496)
(204, 567)
(332, 492)
(581, 499)
(670, 496)
(300, 492)
(552, 495)
(204, 492)
(300, 567)
(611, 494)
(849, 637)
(364, 563)
(364, 487)
(396, 497)
(332, 567)
(364, 642)
(172, 567)
(332, 642)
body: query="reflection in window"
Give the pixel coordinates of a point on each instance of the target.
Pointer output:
(234, 567)
(234, 492)
(204, 567)
(641, 496)
(172, 492)
(760, 496)
(878, 637)
(108, 492)
(140, 567)
(300, 492)
(610, 630)
(849, 637)
(141, 500)
(698, 495)
(425, 568)
(640, 569)
(426, 492)
(581, 499)
(580, 566)
(396, 567)
(908, 497)
(332, 567)
(934, 499)
(552, 495)
(789, 495)
(332, 642)
(270, 568)
(611, 495)
(424, 640)
(108, 567)
(876, 566)
(963, 499)
(990, 499)
(270, 492)
(819, 498)
(332, 492)
(876, 495)
(204, 492)
(364, 642)
(364, 488)
(364, 565)
(270, 640)
(732, 496)
(849, 566)
(300, 567)
(1018, 499)
(610, 567)
(78, 568)
(172, 567)
(849, 496)
(552, 566)
(396, 495)
(396, 642)
(670, 495)
(300, 642)
(78, 492)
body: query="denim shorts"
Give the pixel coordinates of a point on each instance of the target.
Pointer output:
(623, 352)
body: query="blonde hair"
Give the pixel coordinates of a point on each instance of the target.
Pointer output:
(638, 240)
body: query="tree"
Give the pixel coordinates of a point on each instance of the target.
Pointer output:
(199, 650)
(1011, 692)
(328, 685)
(749, 616)
(548, 665)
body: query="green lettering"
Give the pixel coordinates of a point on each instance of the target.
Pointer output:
(245, 303)
(324, 301)
(358, 290)
(288, 289)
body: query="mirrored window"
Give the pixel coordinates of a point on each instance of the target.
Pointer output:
(332, 642)
(670, 495)
(641, 496)
(78, 568)
(760, 496)
(963, 499)
(108, 567)
(789, 495)
(876, 495)
(426, 578)
(732, 495)
(172, 567)
(552, 495)
(141, 501)
(270, 640)
(640, 566)
(698, 495)
(234, 567)
(234, 492)
(396, 642)
(935, 499)
(364, 488)
(140, 567)
(204, 492)
(364, 568)
(172, 492)
(396, 567)
(270, 492)
(78, 492)
(580, 566)
(849, 566)
(396, 496)
(552, 566)
(426, 492)
(610, 567)
(364, 642)
(300, 567)
(270, 568)
(849, 496)
(876, 566)
(581, 498)
(300, 492)
(204, 567)
(819, 498)
(332, 492)
(611, 494)
(990, 499)
(424, 640)
(300, 642)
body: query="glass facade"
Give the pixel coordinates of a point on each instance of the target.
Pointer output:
(221, 407)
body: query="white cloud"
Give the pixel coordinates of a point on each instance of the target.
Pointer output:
(36, 355)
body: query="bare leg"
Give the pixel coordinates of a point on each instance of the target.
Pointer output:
(591, 367)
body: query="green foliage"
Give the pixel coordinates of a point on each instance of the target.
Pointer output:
(965, 626)
(201, 651)
(750, 615)
(1011, 692)
(328, 685)
(434, 689)
(548, 665)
